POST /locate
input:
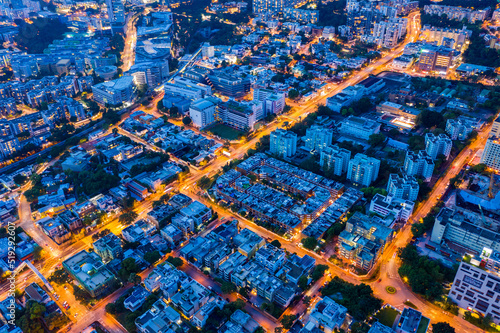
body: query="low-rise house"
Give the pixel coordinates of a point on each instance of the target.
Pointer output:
(89, 271)
(136, 299)
(160, 318)
(328, 315)
(108, 247)
(191, 298)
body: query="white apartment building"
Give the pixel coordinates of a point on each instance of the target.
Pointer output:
(384, 206)
(363, 169)
(419, 165)
(358, 127)
(458, 13)
(318, 137)
(202, 111)
(495, 128)
(438, 145)
(336, 159)
(242, 116)
(460, 128)
(466, 229)
(405, 187)
(150, 73)
(273, 103)
(435, 34)
(478, 290)
(114, 92)
(185, 88)
(387, 33)
(207, 50)
(283, 143)
(345, 97)
(328, 32)
(491, 153)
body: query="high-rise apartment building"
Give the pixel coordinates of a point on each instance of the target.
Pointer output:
(491, 153)
(283, 143)
(419, 165)
(438, 145)
(335, 158)
(363, 169)
(116, 15)
(495, 128)
(405, 187)
(272, 102)
(318, 137)
(272, 6)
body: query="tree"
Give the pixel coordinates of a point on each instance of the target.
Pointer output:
(293, 94)
(358, 299)
(442, 327)
(243, 292)
(134, 279)
(478, 168)
(55, 319)
(228, 287)
(177, 262)
(376, 139)
(359, 327)
(416, 142)
(59, 276)
(111, 308)
(160, 106)
(152, 257)
(81, 295)
(20, 179)
(37, 253)
(34, 37)
(204, 183)
(186, 120)
(309, 243)
(276, 243)
(417, 229)
(128, 217)
(318, 272)
(173, 111)
(487, 320)
(130, 265)
(303, 282)
(429, 119)
(288, 320)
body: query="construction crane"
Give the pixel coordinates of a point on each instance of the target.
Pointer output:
(482, 216)
(490, 190)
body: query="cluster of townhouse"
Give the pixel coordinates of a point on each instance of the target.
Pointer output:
(183, 298)
(245, 259)
(60, 211)
(184, 144)
(303, 195)
(180, 218)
